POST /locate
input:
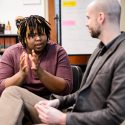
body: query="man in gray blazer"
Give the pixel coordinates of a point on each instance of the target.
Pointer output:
(101, 99)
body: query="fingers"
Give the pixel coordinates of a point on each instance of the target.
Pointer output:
(33, 53)
(42, 108)
(34, 60)
(23, 61)
(33, 56)
(43, 102)
(30, 57)
(42, 111)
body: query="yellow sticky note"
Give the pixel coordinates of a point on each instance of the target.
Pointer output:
(69, 3)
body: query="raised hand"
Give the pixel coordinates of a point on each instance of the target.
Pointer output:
(34, 60)
(24, 63)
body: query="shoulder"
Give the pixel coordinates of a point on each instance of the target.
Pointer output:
(15, 49)
(119, 49)
(55, 50)
(15, 46)
(121, 46)
(55, 46)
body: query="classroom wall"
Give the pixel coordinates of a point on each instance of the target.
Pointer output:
(10, 9)
(123, 16)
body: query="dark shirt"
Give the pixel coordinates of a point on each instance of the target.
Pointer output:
(102, 50)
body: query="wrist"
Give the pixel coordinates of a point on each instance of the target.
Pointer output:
(57, 103)
(63, 119)
(39, 71)
(22, 74)
(35, 67)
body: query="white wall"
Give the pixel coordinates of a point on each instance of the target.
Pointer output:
(74, 29)
(123, 15)
(76, 38)
(10, 9)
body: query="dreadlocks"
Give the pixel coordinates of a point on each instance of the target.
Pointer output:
(30, 25)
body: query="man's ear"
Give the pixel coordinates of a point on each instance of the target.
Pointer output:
(101, 17)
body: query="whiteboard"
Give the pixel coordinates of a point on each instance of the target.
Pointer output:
(75, 35)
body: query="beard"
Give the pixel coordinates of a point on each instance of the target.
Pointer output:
(95, 33)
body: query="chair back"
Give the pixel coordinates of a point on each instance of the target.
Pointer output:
(77, 77)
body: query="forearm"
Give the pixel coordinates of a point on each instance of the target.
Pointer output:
(53, 83)
(16, 79)
(65, 101)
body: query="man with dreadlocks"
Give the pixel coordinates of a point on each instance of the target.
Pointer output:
(33, 68)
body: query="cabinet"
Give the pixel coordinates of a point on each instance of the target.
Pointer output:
(80, 60)
(7, 40)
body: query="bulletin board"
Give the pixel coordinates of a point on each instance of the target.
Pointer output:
(76, 38)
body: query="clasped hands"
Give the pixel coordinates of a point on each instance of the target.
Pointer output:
(48, 113)
(24, 65)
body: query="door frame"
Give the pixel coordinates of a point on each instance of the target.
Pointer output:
(51, 16)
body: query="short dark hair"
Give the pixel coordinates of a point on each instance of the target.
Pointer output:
(28, 25)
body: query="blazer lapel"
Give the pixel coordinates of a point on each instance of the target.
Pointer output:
(90, 62)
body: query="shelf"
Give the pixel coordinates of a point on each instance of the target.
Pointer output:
(7, 40)
(8, 35)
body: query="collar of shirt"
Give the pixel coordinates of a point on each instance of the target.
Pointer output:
(103, 48)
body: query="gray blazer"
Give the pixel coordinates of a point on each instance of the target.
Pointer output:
(101, 99)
